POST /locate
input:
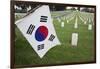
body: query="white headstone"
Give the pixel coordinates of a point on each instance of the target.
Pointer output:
(84, 22)
(67, 21)
(62, 24)
(90, 27)
(74, 39)
(89, 20)
(58, 19)
(76, 24)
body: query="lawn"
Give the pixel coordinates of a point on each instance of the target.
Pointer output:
(64, 53)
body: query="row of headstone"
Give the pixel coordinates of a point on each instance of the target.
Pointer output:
(59, 20)
(90, 20)
(81, 18)
(74, 40)
(71, 18)
(76, 23)
(66, 18)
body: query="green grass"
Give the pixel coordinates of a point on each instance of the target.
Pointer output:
(64, 53)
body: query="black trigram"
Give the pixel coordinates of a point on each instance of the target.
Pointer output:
(40, 47)
(43, 19)
(51, 38)
(30, 29)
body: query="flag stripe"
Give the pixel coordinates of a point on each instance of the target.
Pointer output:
(43, 19)
(51, 38)
(30, 29)
(40, 47)
(44, 16)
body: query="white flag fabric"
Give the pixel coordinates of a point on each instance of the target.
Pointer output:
(39, 31)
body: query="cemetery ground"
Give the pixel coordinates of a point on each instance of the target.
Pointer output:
(64, 53)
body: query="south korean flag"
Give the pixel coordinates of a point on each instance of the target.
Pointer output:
(39, 31)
